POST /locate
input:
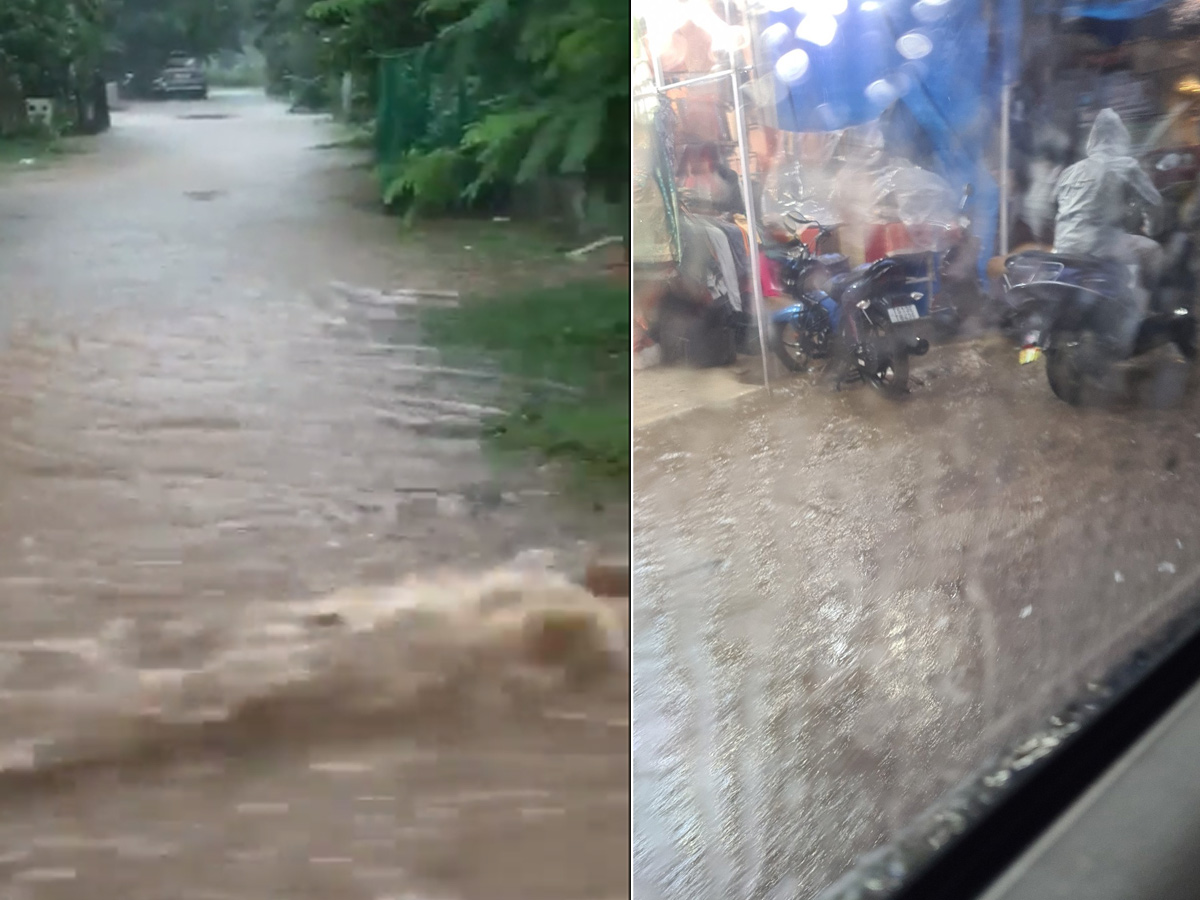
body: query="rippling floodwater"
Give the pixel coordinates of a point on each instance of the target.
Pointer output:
(203, 427)
(845, 607)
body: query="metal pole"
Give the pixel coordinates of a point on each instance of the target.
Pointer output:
(655, 62)
(1005, 118)
(687, 82)
(643, 37)
(739, 120)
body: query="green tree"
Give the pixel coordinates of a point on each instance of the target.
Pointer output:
(43, 41)
(547, 79)
(146, 32)
(560, 73)
(552, 85)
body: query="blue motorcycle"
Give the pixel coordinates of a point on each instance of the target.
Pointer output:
(857, 317)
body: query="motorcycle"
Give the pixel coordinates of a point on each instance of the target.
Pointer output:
(857, 314)
(1079, 314)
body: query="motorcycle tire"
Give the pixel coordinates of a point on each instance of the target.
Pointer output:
(1185, 337)
(886, 367)
(787, 342)
(891, 375)
(1067, 366)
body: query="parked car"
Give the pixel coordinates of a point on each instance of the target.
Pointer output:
(183, 76)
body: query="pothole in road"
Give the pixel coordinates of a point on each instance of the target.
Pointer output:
(203, 195)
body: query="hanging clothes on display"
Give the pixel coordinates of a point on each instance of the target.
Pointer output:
(718, 242)
(739, 247)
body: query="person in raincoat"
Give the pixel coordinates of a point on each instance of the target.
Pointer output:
(1093, 199)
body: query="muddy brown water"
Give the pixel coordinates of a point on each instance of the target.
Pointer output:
(205, 419)
(844, 607)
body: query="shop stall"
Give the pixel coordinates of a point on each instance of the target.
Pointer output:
(690, 62)
(916, 89)
(902, 129)
(887, 109)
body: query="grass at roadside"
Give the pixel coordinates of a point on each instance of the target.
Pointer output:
(36, 151)
(566, 349)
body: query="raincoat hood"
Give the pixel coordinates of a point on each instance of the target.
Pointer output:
(1094, 195)
(1109, 136)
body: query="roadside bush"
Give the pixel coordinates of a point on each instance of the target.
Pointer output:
(566, 350)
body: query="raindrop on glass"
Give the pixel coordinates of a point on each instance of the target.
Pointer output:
(792, 66)
(928, 11)
(880, 92)
(818, 29)
(914, 45)
(775, 35)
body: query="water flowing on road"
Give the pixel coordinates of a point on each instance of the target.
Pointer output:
(210, 416)
(845, 606)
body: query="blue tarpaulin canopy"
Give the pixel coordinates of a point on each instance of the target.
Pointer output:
(1113, 10)
(1112, 21)
(840, 63)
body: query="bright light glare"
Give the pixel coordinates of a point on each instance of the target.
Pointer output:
(792, 66)
(869, 5)
(817, 29)
(914, 45)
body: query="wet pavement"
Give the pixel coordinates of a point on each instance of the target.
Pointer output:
(846, 607)
(210, 415)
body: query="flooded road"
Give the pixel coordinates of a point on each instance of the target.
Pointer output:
(845, 607)
(209, 417)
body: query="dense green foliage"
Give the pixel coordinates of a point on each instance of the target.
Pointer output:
(146, 32)
(547, 85)
(42, 41)
(52, 47)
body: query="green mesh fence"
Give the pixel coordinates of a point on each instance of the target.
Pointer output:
(417, 109)
(402, 117)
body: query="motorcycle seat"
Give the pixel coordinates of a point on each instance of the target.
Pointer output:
(1071, 260)
(838, 283)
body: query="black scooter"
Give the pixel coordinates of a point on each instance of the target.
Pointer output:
(1079, 314)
